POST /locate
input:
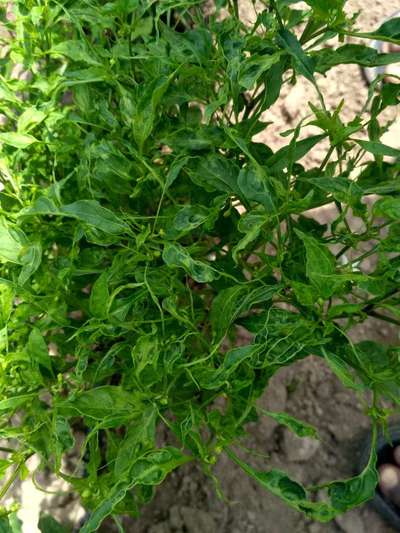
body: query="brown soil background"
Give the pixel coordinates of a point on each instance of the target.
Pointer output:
(187, 501)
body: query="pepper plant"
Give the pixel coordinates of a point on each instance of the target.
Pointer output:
(142, 225)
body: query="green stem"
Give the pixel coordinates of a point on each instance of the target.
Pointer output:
(327, 157)
(10, 480)
(374, 314)
(6, 450)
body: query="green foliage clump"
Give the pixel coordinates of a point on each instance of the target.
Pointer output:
(141, 224)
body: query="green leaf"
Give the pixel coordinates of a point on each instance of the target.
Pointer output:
(301, 429)
(63, 433)
(10, 524)
(358, 54)
(41, 206)
(30, 118)
(154, 467)
(103, 402)
(304, 63)
(76, 51)
(230, 303)
(215, 379)
(31, 258)
(341, 369)
(140, 434)
(320, 265)
(341, 310)
(88, 211)
(99, 297)
(144, 117)
(48, 524)
(388, 207)
(305, 294)
(378, 148)
(389, 29)
(252, 69)
(175, 255)
(325, 11)
(13, 402)
(11, 242)
(250, 224)
(174, 171)
(190, 217)
(92, 213)
(293, 493)
(216, 172)
(345, 495)
(255, 185)
(104, 509)
(17, 140)
(37, 349)
(280, 160)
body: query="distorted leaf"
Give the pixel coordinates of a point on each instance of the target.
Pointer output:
(175, 255)
(320, 265)
(301, 429)
(255, 185)
(253, 68)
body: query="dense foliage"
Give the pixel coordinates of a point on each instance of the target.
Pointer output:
(141, 225)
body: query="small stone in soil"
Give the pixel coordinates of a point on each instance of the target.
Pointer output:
(299, 449)
(161, 527)
(350, 523)
(198, 521)
(175, 517)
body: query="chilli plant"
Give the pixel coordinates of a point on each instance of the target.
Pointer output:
(142, 227)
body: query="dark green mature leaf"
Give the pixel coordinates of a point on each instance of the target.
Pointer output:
(378, 148)
(87, 211)
(77, 51)
(102, 402)
(304, 63)
(48, 524)
(216, 172)
(388, 207)
(175, 255)
(230, 303)
(255, 185)
(389, 29)
(250, 224)
(10, 524)
(280, 160)
(38, 350)
(99, 297)
(92, 213)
